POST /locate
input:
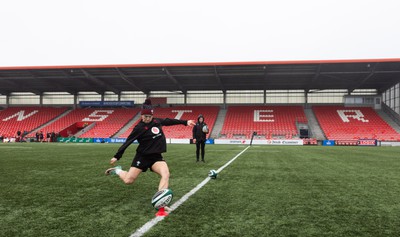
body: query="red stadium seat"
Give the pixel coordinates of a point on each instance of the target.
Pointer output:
(353, 123)
(107, 120)
(22, 119)
(210, 114)
(267, 121)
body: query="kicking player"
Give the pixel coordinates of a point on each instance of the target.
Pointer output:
(148, 132)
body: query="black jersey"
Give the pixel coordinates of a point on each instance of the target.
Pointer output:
(198, 133)
(150, 136)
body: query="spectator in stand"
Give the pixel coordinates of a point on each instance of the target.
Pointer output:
(18, 137)
(41, 136)
(48, 137)
(37, 136)
(53, 137)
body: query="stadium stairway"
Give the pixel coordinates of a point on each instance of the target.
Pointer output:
(127, 126)
(87, 128)
(391, 113)
(314, 125)
(387, 119)
(32, 133)
(219, 123)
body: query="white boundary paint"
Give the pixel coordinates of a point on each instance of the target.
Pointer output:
(146, 227)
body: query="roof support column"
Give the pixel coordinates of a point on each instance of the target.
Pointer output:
(75, 100)
(8, 100)
(265, 97)
(119, 96)
(41, 99)
(102, 97)
(224, 98)
(185, 98)
(306, 99)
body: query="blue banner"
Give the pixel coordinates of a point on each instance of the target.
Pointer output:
(111, 140)
(118, 140)
(106, 103)
(101, 140)
(210, 141)
(328, 142)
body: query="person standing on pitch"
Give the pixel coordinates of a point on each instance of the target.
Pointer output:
(148, 132)
(200, 131)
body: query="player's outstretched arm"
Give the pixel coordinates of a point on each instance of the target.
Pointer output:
(171, 122)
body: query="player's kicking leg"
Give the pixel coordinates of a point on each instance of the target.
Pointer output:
(127, 176)
(161, 168)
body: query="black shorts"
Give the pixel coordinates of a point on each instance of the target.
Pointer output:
(146, 161)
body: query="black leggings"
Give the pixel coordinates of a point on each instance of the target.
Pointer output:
(198, 144)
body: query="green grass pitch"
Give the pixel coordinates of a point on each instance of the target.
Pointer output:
(61, 190)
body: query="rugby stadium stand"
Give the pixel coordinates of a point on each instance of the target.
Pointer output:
(337, 122)
(112, 124)
(22, 119)
(267, 121)
(107, 121)
(353, 123)
(210, 114)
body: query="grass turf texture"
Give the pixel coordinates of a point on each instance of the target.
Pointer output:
(61, 190)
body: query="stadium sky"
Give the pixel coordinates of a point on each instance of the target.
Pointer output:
(97, 32)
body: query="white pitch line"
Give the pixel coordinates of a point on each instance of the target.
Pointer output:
(146, 227)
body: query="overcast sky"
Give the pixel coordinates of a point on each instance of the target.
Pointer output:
(95, 32)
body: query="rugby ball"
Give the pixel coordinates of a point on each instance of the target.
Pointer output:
(162, 198)
(212, 174)
(205, 129)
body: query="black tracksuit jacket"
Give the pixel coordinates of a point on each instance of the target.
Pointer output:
(198, 133)
(150, 136)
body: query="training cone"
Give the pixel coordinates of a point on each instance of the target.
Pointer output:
(162, 212)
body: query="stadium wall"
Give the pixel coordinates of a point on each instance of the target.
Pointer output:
(391, 98)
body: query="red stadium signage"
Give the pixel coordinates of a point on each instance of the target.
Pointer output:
(367, 142)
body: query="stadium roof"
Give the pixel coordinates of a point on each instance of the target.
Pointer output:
(292, 75)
